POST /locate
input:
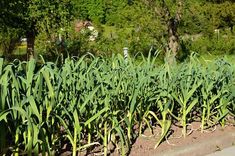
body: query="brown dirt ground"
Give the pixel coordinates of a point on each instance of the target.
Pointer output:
(144, 145)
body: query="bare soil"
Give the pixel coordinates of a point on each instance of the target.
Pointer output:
(144, 145)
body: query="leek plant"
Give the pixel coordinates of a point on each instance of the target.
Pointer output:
(89, 102)
(187, 83)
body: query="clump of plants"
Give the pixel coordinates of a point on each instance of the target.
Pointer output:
(92, 103)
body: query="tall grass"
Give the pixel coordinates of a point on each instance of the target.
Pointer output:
(90, 102)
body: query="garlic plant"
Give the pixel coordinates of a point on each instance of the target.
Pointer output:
(90, 102)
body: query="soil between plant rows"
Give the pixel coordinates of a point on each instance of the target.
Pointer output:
(144, 145)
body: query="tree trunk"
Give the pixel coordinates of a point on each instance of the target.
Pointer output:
(164, 9)
(30, 44)
(10, 47)
(172, 26)
(173, 41)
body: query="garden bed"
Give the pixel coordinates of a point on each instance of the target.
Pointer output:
(209, 141)
(195, 143)
(91, 104)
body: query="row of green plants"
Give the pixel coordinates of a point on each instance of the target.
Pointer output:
(88, 102)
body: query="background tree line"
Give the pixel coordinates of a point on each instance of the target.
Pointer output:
(175, 27)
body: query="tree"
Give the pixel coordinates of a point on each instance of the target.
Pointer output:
(34, 16)
(222, 14)
(170, 12)
(9, 38)
(93, 10)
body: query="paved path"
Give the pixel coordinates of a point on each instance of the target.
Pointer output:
(225, 152)
(205, 147)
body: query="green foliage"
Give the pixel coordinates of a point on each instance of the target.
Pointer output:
(221, 42)
(91, 102)
(49, 16)
(195, 20)
(140, 25)
(94, 10)
(6, 39)
(32, 17)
